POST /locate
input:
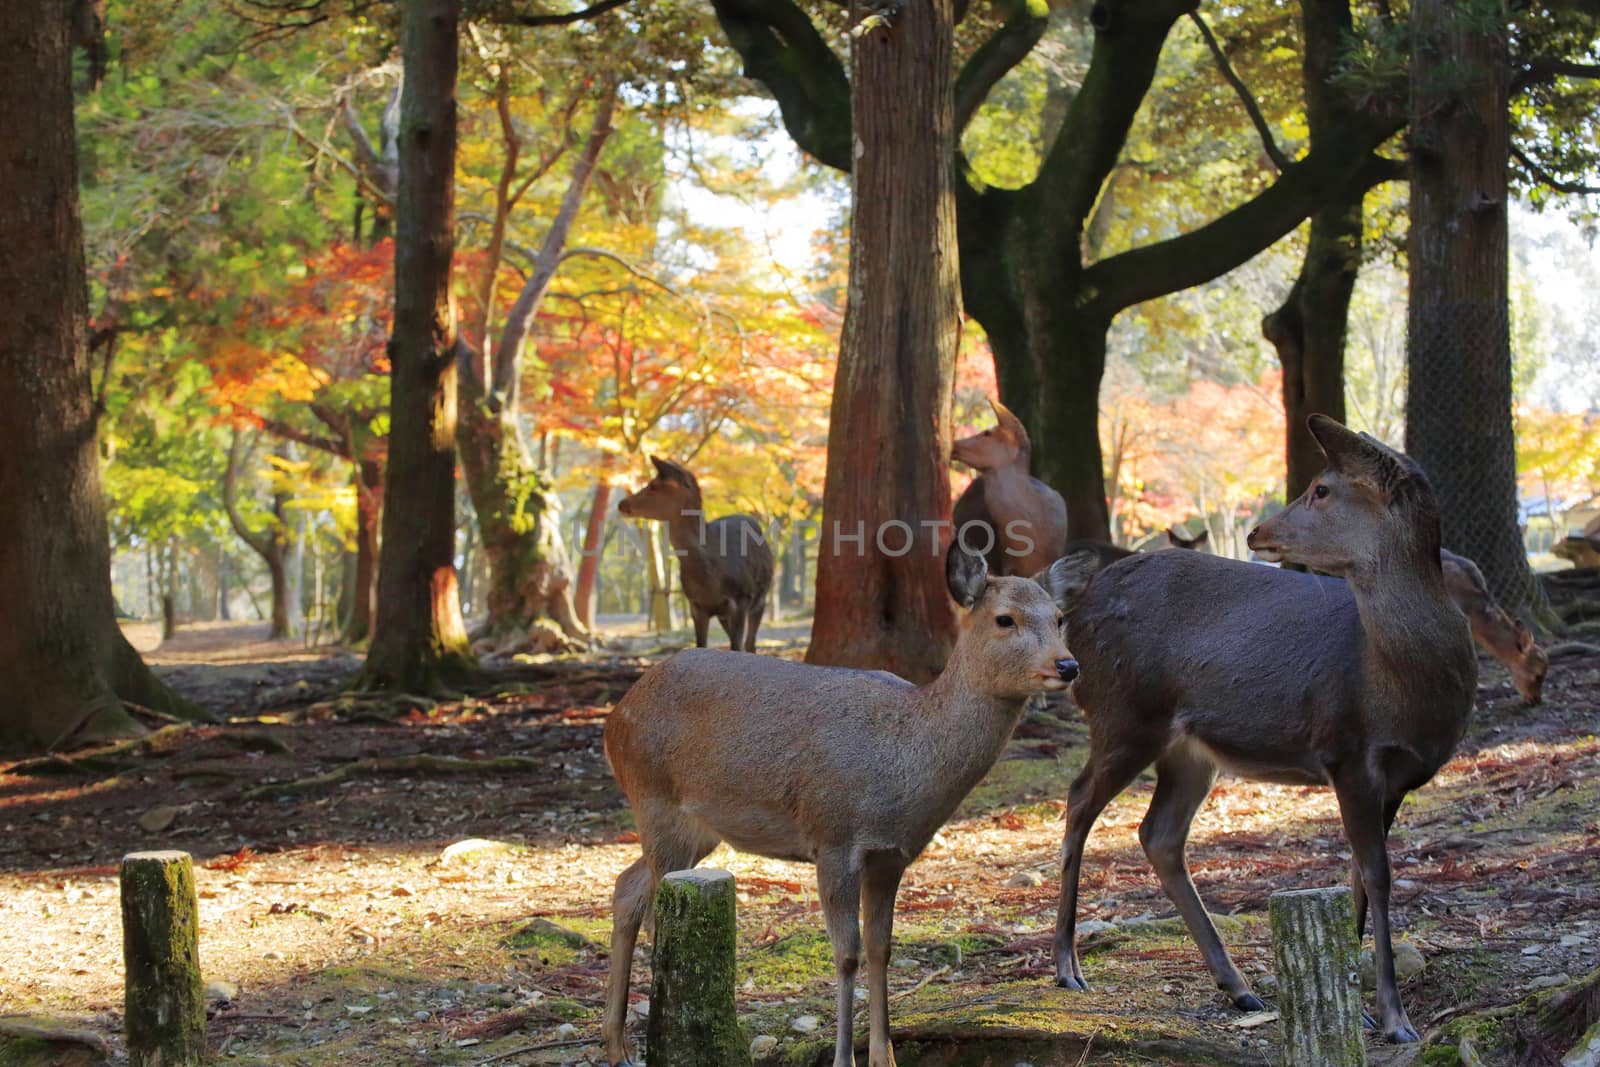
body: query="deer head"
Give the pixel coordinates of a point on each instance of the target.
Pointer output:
(1011, 635)
(1000, 446)
(671, 493)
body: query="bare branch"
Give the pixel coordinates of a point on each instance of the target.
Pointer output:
(994, 59)
(1539, 70)
(1251, 107)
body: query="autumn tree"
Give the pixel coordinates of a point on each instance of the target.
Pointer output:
(419, 641)
(66, 668)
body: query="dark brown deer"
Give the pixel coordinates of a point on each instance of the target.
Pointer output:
(1024, 519)
(1197, 664)
(726, 564)
(851, 770)
(1506, 639)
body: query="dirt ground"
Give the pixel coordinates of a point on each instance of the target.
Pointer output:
(440, 895)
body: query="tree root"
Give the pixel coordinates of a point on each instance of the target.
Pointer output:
(423, 763)
(102, 760)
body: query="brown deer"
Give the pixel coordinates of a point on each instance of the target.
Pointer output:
(725, 564)
(851, 770)
(1198, 664)
(1197, 543)
(1506, 639)
(1025, 520)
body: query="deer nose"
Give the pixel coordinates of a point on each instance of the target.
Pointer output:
(1066, 669)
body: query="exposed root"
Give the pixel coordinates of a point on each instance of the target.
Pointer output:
(423, 764)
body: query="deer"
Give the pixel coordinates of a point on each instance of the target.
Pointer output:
(1505, 638)
(1025, 519)
(1199, 664)
(853, 771)
(725, 564)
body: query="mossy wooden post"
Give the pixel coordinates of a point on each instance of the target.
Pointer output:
(164, 1002)
(692, 1018)
(1319, 984)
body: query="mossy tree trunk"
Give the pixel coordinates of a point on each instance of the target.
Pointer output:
(164, 1009)
(693, 1022)
(419, 642)
(65, 667)
(1319, 987)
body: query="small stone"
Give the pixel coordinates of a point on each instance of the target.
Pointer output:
(1549, 981)
(860, 993)
(905, 963)
(358, 1009)
(272, 955)
(1024, 880)
(473, 846)
(763, 1044)
(159, 818)
(565, 1030)
(1255, 1019)
(805, 1024)
(1533, 950)
(1572, 940)
(421, 1016)
(1093, 926)
(217, 989)
(641, 1009)
(1408, 963)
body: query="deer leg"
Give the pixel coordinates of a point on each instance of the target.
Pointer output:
(839, 886)
(1088, 796)
(1183, 781)
(1359, 891)
(702, 626)
(752, 623)
(630, 900)
(879, 886)
(1364, 826)
(733, 623)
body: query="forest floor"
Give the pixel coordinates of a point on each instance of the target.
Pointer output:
(373, 891)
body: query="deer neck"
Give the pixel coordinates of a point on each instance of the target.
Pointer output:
(969, 723)
(686, 531)
(1418, 657)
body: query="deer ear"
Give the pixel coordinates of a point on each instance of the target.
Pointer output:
(1524, 637)
(1359, 455)
(1204, 537)
(1173, 538)
(966, 575)
(1068, 578)
(1010, 423)
(672, 472)
(661, 466)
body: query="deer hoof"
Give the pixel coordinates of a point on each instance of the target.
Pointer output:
(1067, 981)
(1402, 1034)
(1249, 1002)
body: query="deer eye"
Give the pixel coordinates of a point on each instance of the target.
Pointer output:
(1061, 620)
(1320, 491)
(1005, 622)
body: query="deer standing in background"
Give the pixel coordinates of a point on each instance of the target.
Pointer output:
(1197, 664)
(725, 564)
(1026, 518)
(851, 770)
(1506, 639)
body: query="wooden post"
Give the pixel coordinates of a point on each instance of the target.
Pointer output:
(164, 1007)
(1319, 983)
(692, 1018)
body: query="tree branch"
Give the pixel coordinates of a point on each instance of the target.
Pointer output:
(288, 432)
(258, 543)
(508, 356)
(1216, 248)
(1541, 69)
(1544, 177)
(520, 18)
(996, 57)
(1251, 107)
(782, 49)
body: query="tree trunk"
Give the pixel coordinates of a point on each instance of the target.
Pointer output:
(593, 542)
(419, 642)
(1458, 399)
(224, 592)
(65, 667)
(881, 600)
(363, 586)
(268, 543)
(1308, 332)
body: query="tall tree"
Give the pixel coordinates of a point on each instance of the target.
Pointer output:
(1045, 309)
(1458, 401)
(880, 599)
(1308, 329)
(65, 668)
(529, 575)
(419, 641)
(270, 542)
